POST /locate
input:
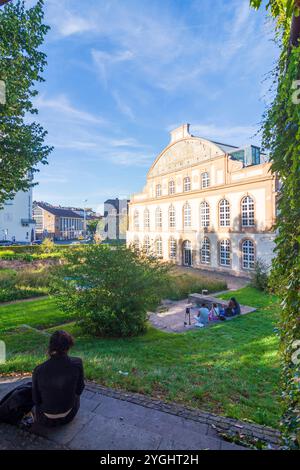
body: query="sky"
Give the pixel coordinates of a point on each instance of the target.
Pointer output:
(122, 73)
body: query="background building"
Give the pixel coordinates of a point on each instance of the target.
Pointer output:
(116, 219)
(56, 222)
(206, 205)
(16, 221)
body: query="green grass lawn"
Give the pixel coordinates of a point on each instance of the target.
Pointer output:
(231, 368)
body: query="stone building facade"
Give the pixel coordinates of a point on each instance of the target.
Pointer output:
(207, 205)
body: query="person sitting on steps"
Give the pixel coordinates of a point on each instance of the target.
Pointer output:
(57, 383)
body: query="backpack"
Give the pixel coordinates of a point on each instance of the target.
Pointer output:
(16, 404)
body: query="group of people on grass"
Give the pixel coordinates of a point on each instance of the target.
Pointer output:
(216, 313)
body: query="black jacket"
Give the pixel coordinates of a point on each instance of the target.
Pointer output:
(56, 383)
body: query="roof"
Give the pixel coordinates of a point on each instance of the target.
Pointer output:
(59, 211)
(226, 147)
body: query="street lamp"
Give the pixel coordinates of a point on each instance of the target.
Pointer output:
(84, 217)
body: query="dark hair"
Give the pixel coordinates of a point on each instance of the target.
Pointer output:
(233, 299)
(203, 305)
(60, 343)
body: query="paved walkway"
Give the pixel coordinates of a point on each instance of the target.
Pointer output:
(114, 420)
(108, 423)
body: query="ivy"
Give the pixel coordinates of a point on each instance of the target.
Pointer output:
(281, 138)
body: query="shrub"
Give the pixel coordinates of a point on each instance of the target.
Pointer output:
(182, 285)
(23, 284)
(47, 246)
(260, 275)
(110, 289)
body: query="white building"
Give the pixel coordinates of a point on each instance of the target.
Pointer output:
(207, 205)
(16, 222)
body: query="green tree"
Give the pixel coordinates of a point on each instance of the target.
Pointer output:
(110, 289)
(92, 226)
(281, 137)
(22, 63)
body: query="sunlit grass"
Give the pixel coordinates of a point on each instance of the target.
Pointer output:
(231, 368)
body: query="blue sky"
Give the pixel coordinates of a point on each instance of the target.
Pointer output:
(122, 73)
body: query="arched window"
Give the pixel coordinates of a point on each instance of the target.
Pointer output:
(136, 220)
(248, 254)
(205, 251)
(172, 217)
(158, 218)
(147, 245)
(136, 243)
(187, 184)
(171, 187)
(225, 253)
(146, 218)
(187, 215)
(172, 248)
(205, 180)
(224, 213)
(158, 247)
(158, 190)
(247, 212)
(204, 214)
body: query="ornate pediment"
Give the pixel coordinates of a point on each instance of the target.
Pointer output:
(184, 153)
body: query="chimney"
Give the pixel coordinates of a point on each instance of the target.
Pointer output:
(180, 132)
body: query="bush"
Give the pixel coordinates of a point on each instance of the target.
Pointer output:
(47, 246)
(260, 276)
(110, 289)
(23, 284)
(181, 285)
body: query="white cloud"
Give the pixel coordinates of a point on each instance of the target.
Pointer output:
(234, 135)
(61, 104)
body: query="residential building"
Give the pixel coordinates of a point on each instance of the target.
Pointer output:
(16, 221)
(57, 223)
(207, 205)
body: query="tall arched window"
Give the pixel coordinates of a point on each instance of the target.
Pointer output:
(187, 184)
(172, 248)
(136, 243)
(248, 212)
(136, 220)
(171, 187)
(158, 190)
(146, 218)
(204, 214)
(172, 217)
(147, 245)
(225, 253)
(205, 180)
(248, 254)
(158, 247)
(224, 213)
(205, 251)
(187, 215)
(158, 218)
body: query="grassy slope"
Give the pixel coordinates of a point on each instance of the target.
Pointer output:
(230, 368)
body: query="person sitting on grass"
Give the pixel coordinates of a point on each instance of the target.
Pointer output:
(214, 313)
(202, 317)
(233, 308)
(57, 383)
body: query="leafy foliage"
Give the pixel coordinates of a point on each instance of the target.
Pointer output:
(23, 284)
(22, 33)
(260, 278)
(110, 289)
(281, 137)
